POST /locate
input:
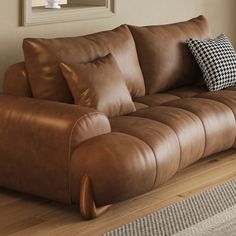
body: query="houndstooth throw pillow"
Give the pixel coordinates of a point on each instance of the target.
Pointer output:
(217, 60)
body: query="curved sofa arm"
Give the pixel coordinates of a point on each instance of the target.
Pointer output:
(16, 81)
(120, 166)
(37, 139)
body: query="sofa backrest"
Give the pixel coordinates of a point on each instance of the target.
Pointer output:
(164, 57)
(43, 57)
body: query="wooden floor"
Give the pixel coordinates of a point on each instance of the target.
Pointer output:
(25, 215)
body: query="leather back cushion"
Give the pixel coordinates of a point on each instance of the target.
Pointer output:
(100, 85)
(164, 57)
(43, 57)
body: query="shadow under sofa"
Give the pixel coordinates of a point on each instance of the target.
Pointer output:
(55, 149)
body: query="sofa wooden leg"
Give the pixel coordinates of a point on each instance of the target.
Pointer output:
(88, 207)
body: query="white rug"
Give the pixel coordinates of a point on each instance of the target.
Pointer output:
(210, 213)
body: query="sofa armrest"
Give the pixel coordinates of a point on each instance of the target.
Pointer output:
(37, 139)
(16, 81)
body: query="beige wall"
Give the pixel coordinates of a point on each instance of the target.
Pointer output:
(219, 12)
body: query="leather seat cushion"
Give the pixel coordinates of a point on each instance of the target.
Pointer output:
(188, 91)
(227, 97)
(231, 88)
(217, 118)
(171, 95)
(186, 125)
(139, 106)
(159, 137)
(122, 172)
(44, 72)
(156, 99)
(213, 115)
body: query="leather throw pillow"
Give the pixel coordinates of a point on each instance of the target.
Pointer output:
(100, 85)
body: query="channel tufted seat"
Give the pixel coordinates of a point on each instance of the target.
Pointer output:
(161, 140)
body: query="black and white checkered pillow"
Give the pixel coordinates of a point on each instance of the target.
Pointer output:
(217, 60)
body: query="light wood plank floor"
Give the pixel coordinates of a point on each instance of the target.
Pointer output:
(26, 215)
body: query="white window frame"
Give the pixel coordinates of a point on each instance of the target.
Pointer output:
(32, 16)
(37, 3)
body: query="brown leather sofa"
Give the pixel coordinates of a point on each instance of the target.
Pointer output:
(76, 155)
